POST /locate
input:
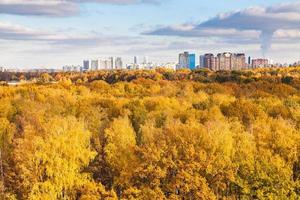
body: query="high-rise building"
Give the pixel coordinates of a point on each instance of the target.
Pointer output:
(209, 61)
(225, 61)
(110, 63)
(238, 61)
(183, 61)
(94, 65)
(215, 63)
(86, 65)
(249, 60)
(135, 60)
(145, 60)
(241, 61)
(202, 61)
(72, 68)
(260, 63)
(118, 63)
(102, 64)
(192, 61)
(107, 64)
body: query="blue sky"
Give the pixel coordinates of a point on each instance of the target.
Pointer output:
(36, 33)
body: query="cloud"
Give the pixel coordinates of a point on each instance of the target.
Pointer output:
(38, 7)
(9, 31)
(38, 47)
(121, 2)
(57, 8)
(256, 18)
(15, 32)
(251, 24)
(190, 30)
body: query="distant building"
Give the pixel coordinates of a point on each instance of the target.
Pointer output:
(260, 63)
(118, 63)
(183, 60)
(295, 64)
(135, 60)
(169, 66)
(72, 68)
(94, 65)
(145, 60)
(86, 65)
(192, 61)
(102, 64)
(224, 61)
(107, 65)
(238, 61)
(209, 61)
(202, 61)
(110, 63)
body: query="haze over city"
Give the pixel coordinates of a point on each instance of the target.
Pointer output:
(53, 33)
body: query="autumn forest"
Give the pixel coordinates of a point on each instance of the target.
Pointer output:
(146, 135)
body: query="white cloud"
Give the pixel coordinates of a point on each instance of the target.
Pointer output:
(38, 7)
(251, 25)
(57, 8)
(66, 47)
(287, 33)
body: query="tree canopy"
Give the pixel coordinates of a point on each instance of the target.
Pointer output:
(151, 135)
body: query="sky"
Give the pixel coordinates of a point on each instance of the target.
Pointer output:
(54, 33)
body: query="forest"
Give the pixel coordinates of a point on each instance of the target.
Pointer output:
(158, 134)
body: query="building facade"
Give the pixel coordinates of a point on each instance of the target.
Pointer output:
(192, 61)
(209, 61)
(202, 61)
(86, 65)
(183, 61)
(118, 63)
(260, 63)
(110, 63)
(238, 61)
(223, 61)
(94, 65)
(135, 60)
(72, 68)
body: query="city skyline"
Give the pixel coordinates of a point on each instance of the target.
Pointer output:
(54, 33)
(228, 61)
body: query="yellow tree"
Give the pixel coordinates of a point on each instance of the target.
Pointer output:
(6, 140)
(119, 151)
(50, 163)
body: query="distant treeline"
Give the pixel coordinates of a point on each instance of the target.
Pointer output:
(284, 75)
